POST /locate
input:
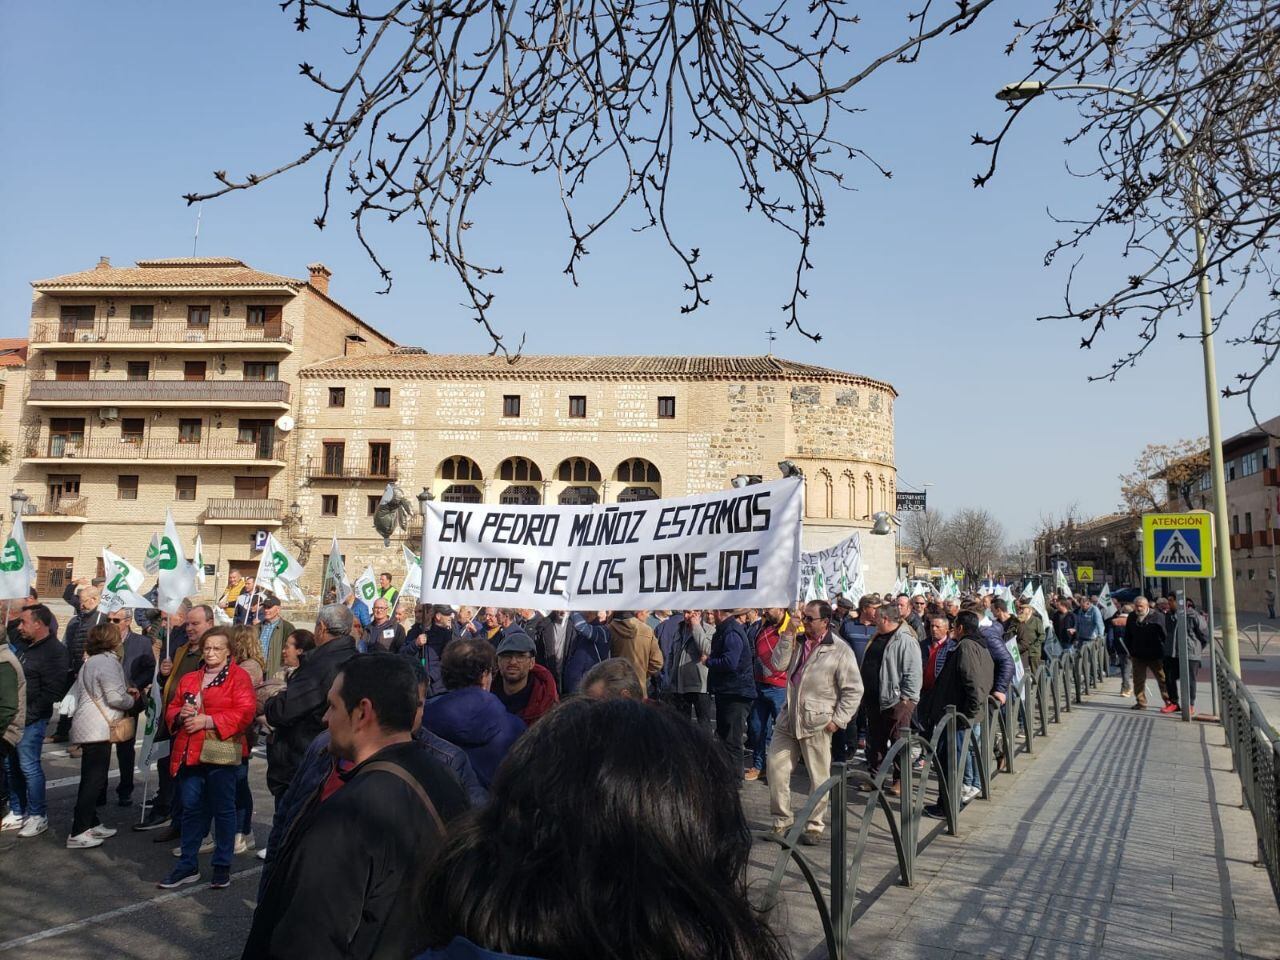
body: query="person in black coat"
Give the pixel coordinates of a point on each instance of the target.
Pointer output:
(348, 878)
(296, 713)
(1145, 634)
(731, 680)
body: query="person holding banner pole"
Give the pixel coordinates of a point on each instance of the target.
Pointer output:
(588, 644)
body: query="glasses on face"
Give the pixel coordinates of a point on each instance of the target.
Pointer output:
(808, 619)
(116, 619)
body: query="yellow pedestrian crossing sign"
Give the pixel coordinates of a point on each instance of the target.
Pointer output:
(1084, 574)
(1177, 544)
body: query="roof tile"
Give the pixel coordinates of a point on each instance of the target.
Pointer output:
(175, 272)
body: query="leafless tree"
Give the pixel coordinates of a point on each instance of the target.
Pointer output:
(922, 532)
(436, 97)
(1211, 66)
(973, 540)
(1163, 472)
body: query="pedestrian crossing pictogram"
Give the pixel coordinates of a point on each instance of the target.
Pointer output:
(1175, 550)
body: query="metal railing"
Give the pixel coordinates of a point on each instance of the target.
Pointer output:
(1255, 756)
(59, 447)
(233, 508)
(58, 507)
(944, 752)
(319, 468)
(124, 330)
(145, 392)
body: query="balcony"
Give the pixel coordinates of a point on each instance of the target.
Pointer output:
(159, 393)
(348, 469)
(1271, 477)
(1241, 541)
(233, 511)
(157, 450)
(57, 510)
(219, 334)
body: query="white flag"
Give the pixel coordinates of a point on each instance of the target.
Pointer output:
(366, 588)
(17, 575)
(120, 592)
(413, 576)
(177, 578)
(1060, 582)
(1037, 604)
(279, 572)
(151, 562)
(1105, 603)
(337, 573)
(199, 562)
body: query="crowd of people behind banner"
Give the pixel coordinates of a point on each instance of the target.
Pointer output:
(479, 783)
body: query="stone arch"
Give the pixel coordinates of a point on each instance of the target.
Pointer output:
(458, 479)
(638, 479)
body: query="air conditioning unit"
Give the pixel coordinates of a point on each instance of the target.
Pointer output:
(88, 338)
(109, 413)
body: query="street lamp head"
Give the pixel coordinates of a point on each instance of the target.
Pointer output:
(740, 481)
(788, 469)
(883, 524)
(18, 500)
(295, 510)
(1102, 542)
(1056, 548)
(425, 497)
(1022, 90)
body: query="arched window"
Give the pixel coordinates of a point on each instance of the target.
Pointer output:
(461, 493)
(851, 484)
(578, 470)
(579, 496)
(871, 496)
(637, 470)
(460, 468)
(521, 493)
(519, 469)
(634, 494)
(818, 501)
(884, 495)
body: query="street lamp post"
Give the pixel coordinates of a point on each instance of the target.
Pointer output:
(18, 501)
(1030, 89)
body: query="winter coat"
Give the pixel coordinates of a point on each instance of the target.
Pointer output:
(1031, 638)
(429, 654)
(829, 691)
(101, 678)
(964, 683)
(586, 644)
(296, 714)
(1145, 638)
(387, 635)
(731, 663)
(1003, 663)
(47, 668)
(138, 660)
(682, 650)
(77, 635)
(901, 669)
(773, 653)
(542, 696)
(230, 704)
(274, 655)
(475, 720)
(634, 641)
(13, 696)
(544, 641)
(347, 878)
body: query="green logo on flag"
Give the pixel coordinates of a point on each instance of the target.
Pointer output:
(168, 555)
(280, 562)
(121, 580)
(368, 590)
(12, 560)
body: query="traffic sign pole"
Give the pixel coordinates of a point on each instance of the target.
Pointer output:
(1213, 654)
(1184, 666)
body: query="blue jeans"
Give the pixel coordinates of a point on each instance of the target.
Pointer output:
(769, 703)
(970, 762)
(208, 796)
(244, 799)
(26, 775)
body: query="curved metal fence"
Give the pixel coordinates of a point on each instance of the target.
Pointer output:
(1006, 730)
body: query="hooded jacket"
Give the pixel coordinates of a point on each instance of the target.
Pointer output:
(731, 664)
(475, 720)
(542, 694)
(993, 636)
(585, 645)
(633, 640)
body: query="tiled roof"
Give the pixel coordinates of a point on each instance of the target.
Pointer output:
(13, 352)
(176, 272)
(411, 363)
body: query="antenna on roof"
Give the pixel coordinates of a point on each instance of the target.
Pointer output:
(196, 241)
(772, 337)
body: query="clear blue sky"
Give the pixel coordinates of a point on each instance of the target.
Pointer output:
(110, 112)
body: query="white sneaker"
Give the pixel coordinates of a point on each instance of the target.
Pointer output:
(12, 821)
(262, 853)
(968, 793)
(206, 847)
(103, 833)
(34, 827)
(245, 842)
(84, 840)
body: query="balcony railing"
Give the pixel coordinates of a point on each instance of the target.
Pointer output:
(319, 468)
(159, 391)
(1271, 477)
(58, 507)
(158, 448)
(122, 330)
(234, 508)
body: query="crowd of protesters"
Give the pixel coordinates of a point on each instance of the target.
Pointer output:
(404, 748)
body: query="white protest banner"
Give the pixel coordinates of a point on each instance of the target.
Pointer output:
(732, 548)
(834, 571)
(412, 586)
(17, 575)
(120, 592)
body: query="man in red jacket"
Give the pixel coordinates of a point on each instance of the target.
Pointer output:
(525, 688)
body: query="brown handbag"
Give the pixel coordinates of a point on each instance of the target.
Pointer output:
(221, 753)
(119, 731)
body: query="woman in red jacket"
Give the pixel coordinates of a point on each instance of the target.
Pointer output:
(215, 703)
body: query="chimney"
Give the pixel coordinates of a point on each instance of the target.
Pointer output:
(104, 263)
(320, 275)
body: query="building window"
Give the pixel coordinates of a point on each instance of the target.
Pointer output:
(194, 369)
(138, 370)
(131, 429)
(511, 405)
(1231, 470)
(258, 371)
(72, 370)
(666, 408)
(252, 488)
(184, 487)
(141, 316)
(1, 394)
(1249, 464)
(1235, 523)
(198, 316)
(334, 454)
(577, 407)
(256, 317)
(189, 430)
(461, 493)
(1252, 573)
(337, 396)
(127, 487)
(520, 493)
(382, 396)
(638, 471)
(1248, 522)
(329, 505)
(519, 468)
(578, 470)
(460, 468)
(372, 502)
(380, 459)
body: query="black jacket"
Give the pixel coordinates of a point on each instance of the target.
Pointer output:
(47, 667)
(296, 713)
(77, 635)
(346, 883)
(965, 682)
(1145, 638)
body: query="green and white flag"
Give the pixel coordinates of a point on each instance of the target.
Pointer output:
(1105, 603)
(151, 562)
(120, 592)
(366, 588)
(1060, 583)
(177, 578)
(17, 575)
(1037, 604)
(279, 572)
(336, 573)
(198, 562)
(412, 586)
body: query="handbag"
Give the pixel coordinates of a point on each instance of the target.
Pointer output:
(119, 731)
(221, 753)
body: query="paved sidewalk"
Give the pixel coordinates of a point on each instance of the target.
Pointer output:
(1122, 838)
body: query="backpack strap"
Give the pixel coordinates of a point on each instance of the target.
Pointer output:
(385, 766)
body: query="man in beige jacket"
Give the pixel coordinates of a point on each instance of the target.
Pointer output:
(824, 689)
(633, 640)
